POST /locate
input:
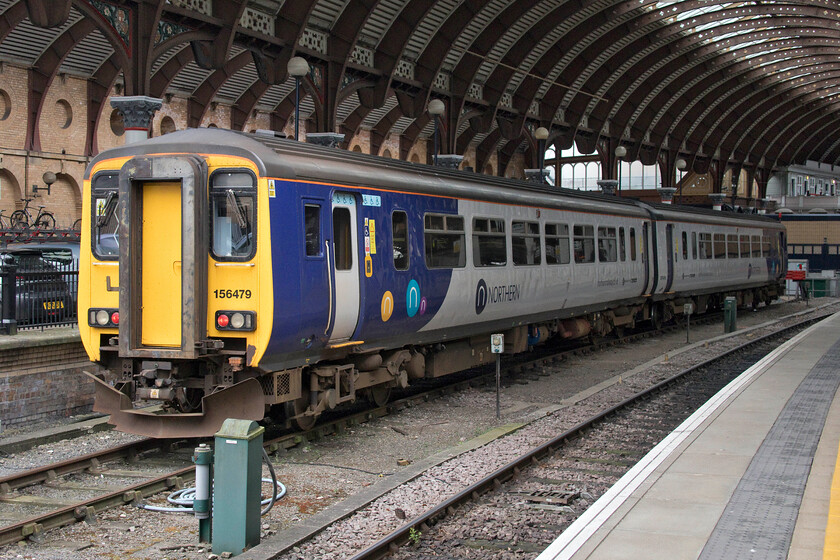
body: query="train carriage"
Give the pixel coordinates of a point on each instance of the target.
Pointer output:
(228, 274)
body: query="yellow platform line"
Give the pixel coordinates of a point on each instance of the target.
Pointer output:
(831, 548)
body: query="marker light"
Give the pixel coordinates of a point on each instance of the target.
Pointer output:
(99, 317)
(102, 317)
(236, 320)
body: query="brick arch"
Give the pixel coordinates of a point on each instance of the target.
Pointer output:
(9, 193)
(64, 201)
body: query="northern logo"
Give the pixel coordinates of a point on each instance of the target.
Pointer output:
(480, 297)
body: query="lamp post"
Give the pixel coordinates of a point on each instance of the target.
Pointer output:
(680, 164)
(436, 109)
(620, 152)
(297, 68)
(542, 135)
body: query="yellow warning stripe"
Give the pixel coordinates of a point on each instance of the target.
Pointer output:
(831, 549)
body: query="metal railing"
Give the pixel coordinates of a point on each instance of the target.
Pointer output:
(33, 297)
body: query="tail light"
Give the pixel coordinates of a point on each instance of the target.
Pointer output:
(236, 320)
(103, 317)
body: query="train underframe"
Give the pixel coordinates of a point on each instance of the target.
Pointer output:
(198, 394)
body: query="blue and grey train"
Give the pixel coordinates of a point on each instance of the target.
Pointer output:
(233, 275)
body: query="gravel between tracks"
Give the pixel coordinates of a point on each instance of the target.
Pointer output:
(321, 474)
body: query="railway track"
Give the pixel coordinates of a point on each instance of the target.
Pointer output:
(66, 480)
(596, 451)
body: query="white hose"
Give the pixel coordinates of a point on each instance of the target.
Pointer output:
(183, 499)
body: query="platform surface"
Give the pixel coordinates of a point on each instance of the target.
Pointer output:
(747, 476)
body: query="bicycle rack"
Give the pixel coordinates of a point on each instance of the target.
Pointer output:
(8, 235)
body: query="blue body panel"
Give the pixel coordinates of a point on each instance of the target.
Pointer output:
(301, 282)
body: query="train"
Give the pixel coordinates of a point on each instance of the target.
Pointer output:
(226, 274)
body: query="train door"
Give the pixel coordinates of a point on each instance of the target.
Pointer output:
(344, 267)
(161, 266)
(669, 247)
(646, 256)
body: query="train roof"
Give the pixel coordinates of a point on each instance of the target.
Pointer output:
(281, 158)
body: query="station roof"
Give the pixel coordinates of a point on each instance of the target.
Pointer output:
(752, 84)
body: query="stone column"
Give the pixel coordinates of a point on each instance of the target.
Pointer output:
(667, 194)
(449, 161)
(328, 139)
(537, 176)
(717, 200)
(608, 186)
(137, 112)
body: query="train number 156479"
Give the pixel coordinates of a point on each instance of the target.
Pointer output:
(232, 294)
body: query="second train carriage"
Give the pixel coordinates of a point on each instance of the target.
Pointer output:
(229, 273)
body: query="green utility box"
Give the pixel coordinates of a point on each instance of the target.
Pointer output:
(730, 312)
(237, 478)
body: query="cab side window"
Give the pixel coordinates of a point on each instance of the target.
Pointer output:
(312, 233)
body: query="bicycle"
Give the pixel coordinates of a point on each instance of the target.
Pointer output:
(23, 218)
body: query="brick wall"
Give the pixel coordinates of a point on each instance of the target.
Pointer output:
(44, 382)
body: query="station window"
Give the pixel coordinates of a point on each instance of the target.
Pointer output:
(685, 245)
(443, 238)
(584, 244)
(694, 245)
(105, 236)
(622, 251)
(607, 249)
(399, 238)
(706, 247)
(312, 233)
(525, 242)
(756, 246)
(732, 246)
(720, 245)
(633, 244)
(489, 242)
(343, 238)
(556, 243)
(745, 246)
(232, 200)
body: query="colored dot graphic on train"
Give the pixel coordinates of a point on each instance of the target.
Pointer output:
(387, 306)
(412, 298)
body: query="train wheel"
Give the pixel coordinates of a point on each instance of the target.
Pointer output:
(619, 331)
(657, 316)
(295, 409)
(378, 395)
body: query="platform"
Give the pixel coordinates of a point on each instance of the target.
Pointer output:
(747, 476)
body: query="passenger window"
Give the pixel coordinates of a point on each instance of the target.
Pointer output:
(312, 233)
(584, 243)
(105, 223)
(489, 242)
(525, 238)
(622, 252)
(399, 238)
(706, 247)
(233, 214)
(685, 245)
(694, 245)
(443, 238)
(765, 246)
(732, 246)
(633, 244)
(745, 246)
(756, 246)
(607, 250)
(720, 245)
(342, 239)
(556, 243)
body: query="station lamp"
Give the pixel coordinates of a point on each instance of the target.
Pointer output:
(620, 152)
(541, 135)
(297, 68)
(680, 165)
(436, 109)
